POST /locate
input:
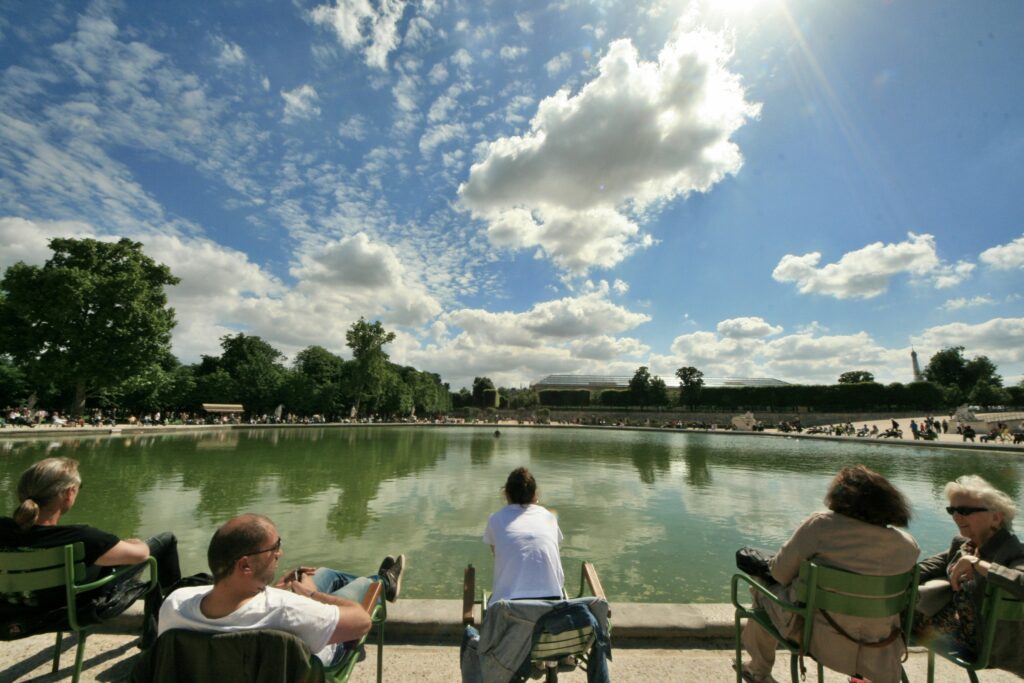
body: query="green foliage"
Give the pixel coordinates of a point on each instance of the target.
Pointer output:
(481, 385)
(490, 398)
(646, 390)
(256, 372)
(984, 394)
(855, 377)
(370, 374)
(829, 398)
(613, 398)
(94, 315)
(691, 383)
(949, 368)
(564, 397)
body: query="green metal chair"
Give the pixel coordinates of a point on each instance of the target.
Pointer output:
(838, 592)
(23, 573)
(997, 606)
(183, 656)
(550, 649)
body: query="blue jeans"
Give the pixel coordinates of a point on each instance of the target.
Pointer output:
(348, 586)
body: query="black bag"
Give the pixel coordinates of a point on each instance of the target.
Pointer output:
(754, 561)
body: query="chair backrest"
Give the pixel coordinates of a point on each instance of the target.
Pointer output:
(22, 572)
(858, 595)
(998, 606)
(553, 646)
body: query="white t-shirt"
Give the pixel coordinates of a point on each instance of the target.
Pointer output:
(313, 622)
(526, 562)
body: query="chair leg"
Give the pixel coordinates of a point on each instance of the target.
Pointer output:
(552, 675)
(739, 652)
(794, 668)
(821, 673)
(380, 652)
(974, 676)
(56, 651)
(931, 665)
(903, 676)
(79, 656)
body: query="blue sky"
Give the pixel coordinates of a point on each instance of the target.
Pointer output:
(782, 188)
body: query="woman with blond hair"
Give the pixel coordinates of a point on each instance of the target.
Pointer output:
(984, 551)
(46, 491)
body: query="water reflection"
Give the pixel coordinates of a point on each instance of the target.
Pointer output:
(659, 513)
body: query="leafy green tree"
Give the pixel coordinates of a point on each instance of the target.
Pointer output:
(646, 390)
(948, 367)
(481, 385)
(14, 388)
(984, 394)
(855, 377)
(92, 316)
(691, 382)
(370, 370)
(256, 371)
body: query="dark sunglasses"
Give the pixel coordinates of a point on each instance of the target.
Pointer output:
(964, 510)
(271, 549)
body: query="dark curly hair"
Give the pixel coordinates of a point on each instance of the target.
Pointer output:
(866, 495)
(520, 487)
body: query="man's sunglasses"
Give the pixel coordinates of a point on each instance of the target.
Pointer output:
(272, 549)
(964, 510)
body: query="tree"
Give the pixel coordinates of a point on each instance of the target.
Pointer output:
(984, 394)
(949, 368)
(481, 385)
(646, 390)
(855, 377)
(370, 370)
(691, 381)
(92, 316)
(255, 368)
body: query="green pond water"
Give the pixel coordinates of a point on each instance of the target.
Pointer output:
(659, 514)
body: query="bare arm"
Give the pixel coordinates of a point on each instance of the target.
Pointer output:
(128, 551)
(353, 618)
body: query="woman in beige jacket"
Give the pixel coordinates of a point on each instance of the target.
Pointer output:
(857, 533)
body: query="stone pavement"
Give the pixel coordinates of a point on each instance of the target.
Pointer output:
(652, 643)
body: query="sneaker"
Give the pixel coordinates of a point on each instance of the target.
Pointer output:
(391, 570)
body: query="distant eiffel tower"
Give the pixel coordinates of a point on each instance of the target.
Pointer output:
(917, 368)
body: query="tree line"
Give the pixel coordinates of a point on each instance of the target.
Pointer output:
(91, 329)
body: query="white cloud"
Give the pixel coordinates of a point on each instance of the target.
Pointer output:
(418, 33)
(963, 302)
(438, 74)
(525, 22)
(1006, 256)
(511, 53)
(28, 241)
(359, 25)
(1001, 339)
(747, 328)
(866, 272)
(229, 54)
(300, 103)
(439, 135)
(558, 64)
(354, 127)
(620, 286)
(462, 58)
(608, 348)
(640, 133)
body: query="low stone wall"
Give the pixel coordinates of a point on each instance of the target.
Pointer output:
(721, 418)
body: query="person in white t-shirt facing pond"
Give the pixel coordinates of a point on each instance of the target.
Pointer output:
(320, 606)
(524, 538)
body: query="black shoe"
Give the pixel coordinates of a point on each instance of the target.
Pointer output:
(390, 572)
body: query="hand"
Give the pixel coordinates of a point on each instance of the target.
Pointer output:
(962, 570)
(295, 575)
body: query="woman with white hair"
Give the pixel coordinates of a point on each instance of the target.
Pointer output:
(984, 551)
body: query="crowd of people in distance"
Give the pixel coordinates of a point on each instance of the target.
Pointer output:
(862, 530)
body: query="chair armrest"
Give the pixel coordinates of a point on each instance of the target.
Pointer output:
(736, 578)
(589, 578)
(117, 574)
(372, 597)
(468, 593)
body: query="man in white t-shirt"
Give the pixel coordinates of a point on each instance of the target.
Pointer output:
(320, 606)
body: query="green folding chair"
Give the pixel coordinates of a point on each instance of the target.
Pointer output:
(550, 648)
(183, 656)
(997, 606)
(25, 572)
(835, 591)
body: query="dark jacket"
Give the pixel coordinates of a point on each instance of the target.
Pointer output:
(263, 656)
(1005, 553)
